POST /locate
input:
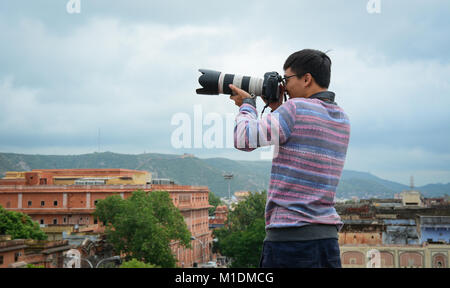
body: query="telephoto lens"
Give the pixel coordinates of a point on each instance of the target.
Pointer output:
(215, 83)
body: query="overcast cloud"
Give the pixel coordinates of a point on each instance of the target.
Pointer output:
(127, 67)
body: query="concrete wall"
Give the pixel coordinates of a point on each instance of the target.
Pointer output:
(373, 238)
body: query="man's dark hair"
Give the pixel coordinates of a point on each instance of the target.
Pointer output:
(315, 62)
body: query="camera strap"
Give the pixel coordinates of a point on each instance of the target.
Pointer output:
(267, 105)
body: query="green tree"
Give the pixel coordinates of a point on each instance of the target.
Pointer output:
(242, 238)
(213, 201)
(34, 266)
(143, 226)
(134, 263)
(19, 226)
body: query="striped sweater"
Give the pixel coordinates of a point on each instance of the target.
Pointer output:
(312, 138)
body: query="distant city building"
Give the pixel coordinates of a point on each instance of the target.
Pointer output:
(434, 229)
(392, 227)
(163, 182)
(68, 197)
(391, 205)
(355, 211)
(18, 253)
(229, 202)
(11, 251)
(57, 177)
(395, 256)
(241, 195)
(361, 232)
(433, 202)
(379, 231)
(401, 232)
(220, 217)
(412, 199)
(187, 155)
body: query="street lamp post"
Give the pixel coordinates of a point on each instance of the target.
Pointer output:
(203, 247)
(79, 258)
(114, 258)
(228, 177)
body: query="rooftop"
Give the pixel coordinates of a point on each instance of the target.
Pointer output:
(434, 220)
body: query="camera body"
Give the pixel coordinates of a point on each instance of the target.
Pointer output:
(215, 83)
(271, 87)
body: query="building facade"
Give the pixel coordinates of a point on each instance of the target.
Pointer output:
(220, 217)
(412, 198)
(434, 229)
(379, 231)
(69, 196)
(20, 252)
(10, 250)
(395, 256)
(361, 232)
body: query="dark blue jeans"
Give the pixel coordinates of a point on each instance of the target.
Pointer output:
(322, 253)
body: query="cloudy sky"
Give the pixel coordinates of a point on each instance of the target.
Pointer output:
(127, 69)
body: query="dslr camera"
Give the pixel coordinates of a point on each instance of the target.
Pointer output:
(268, 88)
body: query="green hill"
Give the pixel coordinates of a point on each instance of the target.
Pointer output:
(190, 170)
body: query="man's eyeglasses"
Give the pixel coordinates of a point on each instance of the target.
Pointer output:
(298, 75)
(287, 77)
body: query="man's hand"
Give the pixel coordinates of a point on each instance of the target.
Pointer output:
(238, 95)
(275, 105)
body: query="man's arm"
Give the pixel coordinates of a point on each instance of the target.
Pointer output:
(273, 129)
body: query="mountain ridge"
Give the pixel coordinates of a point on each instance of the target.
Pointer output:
(187, 169)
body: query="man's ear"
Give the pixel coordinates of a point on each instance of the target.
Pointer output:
(308, 80)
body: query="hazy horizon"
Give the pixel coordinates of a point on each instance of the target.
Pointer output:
(208, 157)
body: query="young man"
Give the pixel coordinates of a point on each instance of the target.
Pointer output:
(312, 133)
